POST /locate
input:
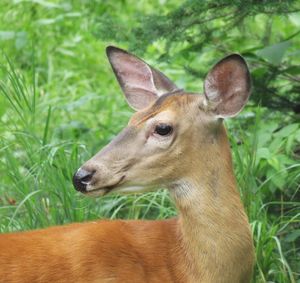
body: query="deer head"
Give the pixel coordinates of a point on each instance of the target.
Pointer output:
(170, 129)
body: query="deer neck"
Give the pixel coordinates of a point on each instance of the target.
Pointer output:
(213, 226)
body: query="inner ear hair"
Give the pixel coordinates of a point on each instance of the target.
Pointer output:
(227, 86)
(141, 83)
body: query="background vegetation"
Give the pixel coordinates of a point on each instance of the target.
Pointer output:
(60, 103)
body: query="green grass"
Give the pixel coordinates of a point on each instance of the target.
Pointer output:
(60, 104)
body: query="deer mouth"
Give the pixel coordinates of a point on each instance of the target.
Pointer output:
(104, 190)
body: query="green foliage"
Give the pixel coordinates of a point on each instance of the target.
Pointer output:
(266, 32)
(269, 176)
(59, 104)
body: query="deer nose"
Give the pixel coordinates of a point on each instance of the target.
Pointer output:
(81, 178)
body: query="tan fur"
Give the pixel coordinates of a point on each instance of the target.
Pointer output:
(209, 242)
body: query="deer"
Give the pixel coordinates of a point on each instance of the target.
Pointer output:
(175, 140)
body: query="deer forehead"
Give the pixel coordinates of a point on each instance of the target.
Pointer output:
(167, 108)
(166, 116)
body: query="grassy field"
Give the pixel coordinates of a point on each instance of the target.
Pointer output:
(60, 104)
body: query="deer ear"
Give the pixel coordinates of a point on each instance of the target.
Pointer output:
(141, 83)
(227, 86)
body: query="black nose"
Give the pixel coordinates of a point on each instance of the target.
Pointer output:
(81, 178)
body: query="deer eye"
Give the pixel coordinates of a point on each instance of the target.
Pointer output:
(163, 129)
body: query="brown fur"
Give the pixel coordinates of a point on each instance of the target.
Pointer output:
(103, 251)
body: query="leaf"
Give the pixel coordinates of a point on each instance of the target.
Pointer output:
(260, 72)
(277, 178)
(21, 39)
(6, 35)
(274, 53)
(297, 136)
(263, 139)
(276, 144)
(46, 4)
(274, 162)
(287, 130)
(295, 18)
(293, 236)
(46, 21)
(290, 143)
(265, 133)
(263, 153)
(293, 70)
(71, 106)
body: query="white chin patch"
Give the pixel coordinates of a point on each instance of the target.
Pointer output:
(91, 191)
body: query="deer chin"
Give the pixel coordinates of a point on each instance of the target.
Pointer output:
(117, 188)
